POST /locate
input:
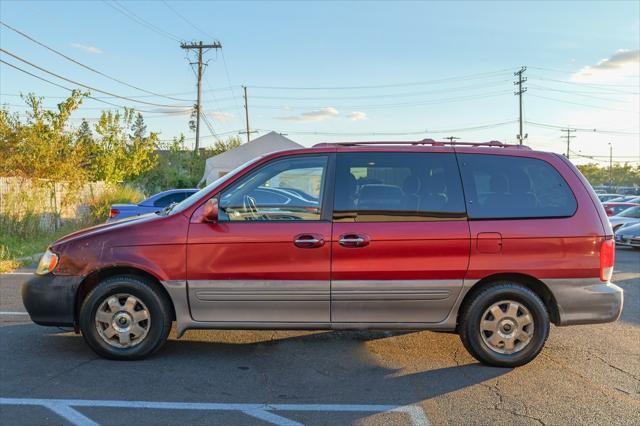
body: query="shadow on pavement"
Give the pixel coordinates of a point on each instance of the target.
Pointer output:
(327, 368)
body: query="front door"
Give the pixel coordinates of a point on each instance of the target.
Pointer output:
(267, 258)
(400, 241)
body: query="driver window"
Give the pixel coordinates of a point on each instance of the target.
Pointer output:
(285, 189)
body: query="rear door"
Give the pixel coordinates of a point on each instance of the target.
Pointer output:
(400, 241)
(267, 258)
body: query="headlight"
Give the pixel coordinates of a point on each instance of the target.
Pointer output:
(48, 262)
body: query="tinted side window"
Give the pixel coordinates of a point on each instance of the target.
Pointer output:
(168, 199)
(284, 189)
(377, 186)
(500, 187)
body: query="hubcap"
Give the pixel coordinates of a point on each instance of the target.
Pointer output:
(122, 320)
(506, 327)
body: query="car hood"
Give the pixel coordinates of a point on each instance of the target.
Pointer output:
(617, 220)
(121, 206)
(107, 227)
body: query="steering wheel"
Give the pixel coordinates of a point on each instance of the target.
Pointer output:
(250, 206)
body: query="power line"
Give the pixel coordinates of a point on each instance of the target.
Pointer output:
(404, 133)
(388, 95)
(67, 88)
(608, 87)
(382, 86)
(211, 130)
(88, 67)
(395, 105)
(86, 86)
(577, 129)
(139, 20)
(585, 105)
(548, 89)
(179, 15)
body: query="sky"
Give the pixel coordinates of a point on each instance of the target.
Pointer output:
(342, 71)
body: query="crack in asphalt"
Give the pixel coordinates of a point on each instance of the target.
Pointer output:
(59, 374)
(602, 388)
(501, 398)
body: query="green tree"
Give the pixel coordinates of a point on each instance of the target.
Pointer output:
(119, 156)
(621, 174)
(178, 166)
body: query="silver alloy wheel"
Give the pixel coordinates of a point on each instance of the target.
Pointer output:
(506, 327)
(122, 320)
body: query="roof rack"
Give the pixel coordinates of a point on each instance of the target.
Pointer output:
(430, 142)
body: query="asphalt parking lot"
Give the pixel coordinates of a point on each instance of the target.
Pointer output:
(585, 375)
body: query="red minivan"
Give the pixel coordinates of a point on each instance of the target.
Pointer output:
(492, 241)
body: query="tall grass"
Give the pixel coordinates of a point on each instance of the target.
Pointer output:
(26, 227)
(99, 206)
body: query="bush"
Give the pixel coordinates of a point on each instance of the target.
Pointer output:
(120, 194)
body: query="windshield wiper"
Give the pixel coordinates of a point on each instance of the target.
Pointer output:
(167, 210)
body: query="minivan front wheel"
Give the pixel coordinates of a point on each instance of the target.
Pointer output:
(125, 318)
(505, 325)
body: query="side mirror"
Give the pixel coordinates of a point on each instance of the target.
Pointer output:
(210, 212)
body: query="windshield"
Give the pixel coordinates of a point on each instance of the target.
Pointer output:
(632, 212)
(189, 201)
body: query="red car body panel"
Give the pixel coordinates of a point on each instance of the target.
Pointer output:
(613, 209)
(419, 268)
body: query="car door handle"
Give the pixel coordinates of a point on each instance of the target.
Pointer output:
(353, 240)
(308, 241)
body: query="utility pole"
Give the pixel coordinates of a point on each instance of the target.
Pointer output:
(246, 114)
(610, 164)
(519, 93)
(452, 138)
(569, 137)
(199, 47)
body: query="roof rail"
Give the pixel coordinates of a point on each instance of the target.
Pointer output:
(430, 142)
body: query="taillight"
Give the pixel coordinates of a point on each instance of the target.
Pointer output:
(113, 213)
(607, 258)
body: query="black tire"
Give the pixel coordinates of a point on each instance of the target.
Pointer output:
(473, 310)
(156, 302)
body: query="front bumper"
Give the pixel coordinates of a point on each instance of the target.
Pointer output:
(50, 299)
(586, 301)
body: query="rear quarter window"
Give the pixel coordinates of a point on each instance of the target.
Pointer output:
(504, 187)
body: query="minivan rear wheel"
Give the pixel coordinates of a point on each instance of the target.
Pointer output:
(505, 325)
(125, 318)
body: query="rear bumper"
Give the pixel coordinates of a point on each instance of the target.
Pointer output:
(50, 299)
(586, 301)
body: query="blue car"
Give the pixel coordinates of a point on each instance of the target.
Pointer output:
(150, 205)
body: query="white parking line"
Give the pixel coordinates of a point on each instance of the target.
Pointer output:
(265, 412)
(17, 273)
(13, 313)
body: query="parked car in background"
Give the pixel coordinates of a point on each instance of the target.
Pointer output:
(624, 199)
(150, 205)
(629, 235)
(630, 215)
(613, 209)
(470, 238)
(606, 197)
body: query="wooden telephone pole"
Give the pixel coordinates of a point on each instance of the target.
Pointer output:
(246, 115)
(201, 48)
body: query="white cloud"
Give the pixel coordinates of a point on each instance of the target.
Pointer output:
(623, 63)
(88, 49)
(172, 111)
(321, 114)
(357, 116)
(221, 116)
